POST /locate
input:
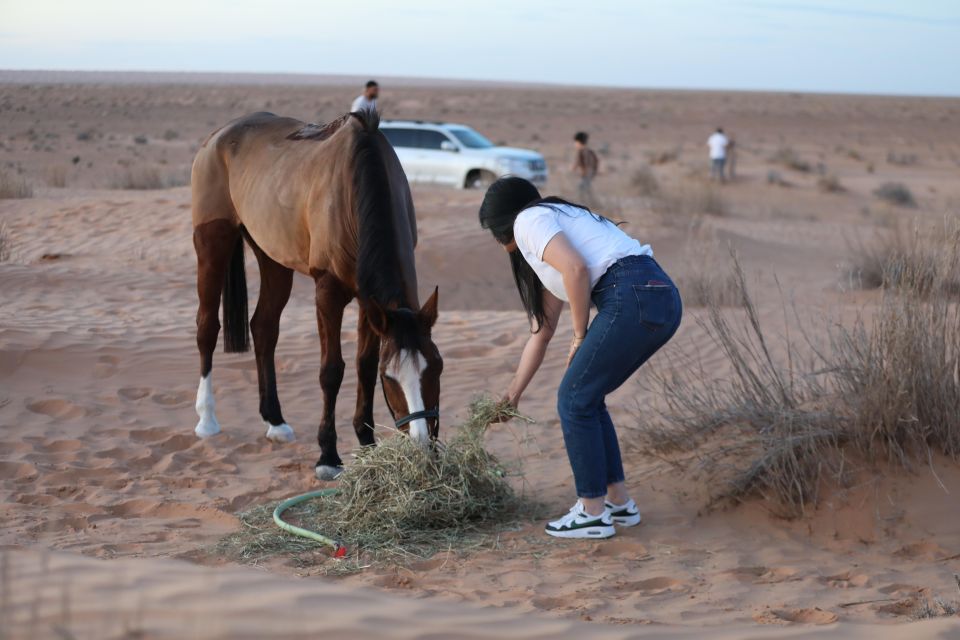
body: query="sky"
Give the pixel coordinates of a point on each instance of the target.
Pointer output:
(847, 46)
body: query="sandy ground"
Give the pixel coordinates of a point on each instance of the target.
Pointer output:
(98, 372)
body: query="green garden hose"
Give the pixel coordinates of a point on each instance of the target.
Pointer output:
(339, 550)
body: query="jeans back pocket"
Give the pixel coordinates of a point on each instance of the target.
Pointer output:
(657, 303)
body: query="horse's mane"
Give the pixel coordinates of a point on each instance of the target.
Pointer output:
(378, 273)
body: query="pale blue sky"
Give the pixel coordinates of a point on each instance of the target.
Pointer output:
(872, 46)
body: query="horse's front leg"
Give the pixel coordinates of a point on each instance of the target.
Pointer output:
(332, 298)
(368, 359)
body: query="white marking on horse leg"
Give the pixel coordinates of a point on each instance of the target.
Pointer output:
(409, 368)
(208, 425)
(280, 433)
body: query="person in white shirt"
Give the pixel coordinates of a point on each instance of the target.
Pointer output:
(718, 154)
(367, 101)
(560, 251)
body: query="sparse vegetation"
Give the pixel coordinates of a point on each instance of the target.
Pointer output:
(882, 390)
(902, 159)
(12, 187)
(789, 158)
(707, 280)
(170, 134)
(663, 156)
(774, 177)
(6, 246)
(146, 178)
(140, 139)
(830, 184)
(644, 183)
(57, 177)
(896, 193)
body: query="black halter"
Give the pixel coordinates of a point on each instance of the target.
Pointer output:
(426, 413)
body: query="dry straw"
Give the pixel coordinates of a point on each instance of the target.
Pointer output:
(400, 499)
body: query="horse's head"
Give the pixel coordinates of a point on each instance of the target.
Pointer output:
(410, 366)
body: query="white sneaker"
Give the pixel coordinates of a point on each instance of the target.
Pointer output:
(580, 524)
(625, 515)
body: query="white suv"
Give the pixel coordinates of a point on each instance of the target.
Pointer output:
(456, 155)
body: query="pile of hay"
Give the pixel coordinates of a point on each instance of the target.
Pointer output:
(402, 499)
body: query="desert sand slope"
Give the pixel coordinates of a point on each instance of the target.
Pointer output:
(98, 371)
(58, 595)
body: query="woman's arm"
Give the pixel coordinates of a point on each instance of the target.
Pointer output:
(536, 347)
(562, 256)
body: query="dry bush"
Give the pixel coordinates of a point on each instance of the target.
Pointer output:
(707, 279)
(902, 159)
(830, 184)
(908, 259)
(790, 159)
(57, 177)
(882, 390)
(661, 157)
(691, 196)
(170, 134)
(146, 178)
(644, 183)
(12, 187)
(897, 371)
(895, 193)
(6, 245)
(774, 178)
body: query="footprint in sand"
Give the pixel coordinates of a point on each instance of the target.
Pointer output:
(106, 366)
(57, 408)
(846, 580)
(473, 351)
(172, 398)
(816, 615)
(656, 586)
(764, 575)
(133, 393)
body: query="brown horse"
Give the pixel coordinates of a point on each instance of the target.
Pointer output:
(333, 203)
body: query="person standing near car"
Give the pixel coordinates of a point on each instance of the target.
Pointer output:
(367, 101)
(585, 165)
(560, 251)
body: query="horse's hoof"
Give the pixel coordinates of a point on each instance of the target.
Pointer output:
(207, 427)
(326, 473)
(280, 433)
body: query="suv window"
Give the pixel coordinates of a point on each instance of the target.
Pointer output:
(402, 137)
(432, 139)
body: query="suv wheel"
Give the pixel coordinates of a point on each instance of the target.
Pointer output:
(479, 179)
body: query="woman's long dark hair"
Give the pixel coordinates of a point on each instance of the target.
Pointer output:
(504, 201)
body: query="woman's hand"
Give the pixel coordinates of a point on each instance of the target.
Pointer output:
(574, 347)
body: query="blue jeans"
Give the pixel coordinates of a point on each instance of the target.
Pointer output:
(638, 311)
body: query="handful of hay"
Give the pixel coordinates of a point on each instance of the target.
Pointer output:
(402, 499)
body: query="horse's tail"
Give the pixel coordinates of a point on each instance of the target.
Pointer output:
(236, 322)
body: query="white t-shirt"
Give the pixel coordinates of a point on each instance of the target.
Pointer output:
(600, 243)
(362, 104)
(718, 146)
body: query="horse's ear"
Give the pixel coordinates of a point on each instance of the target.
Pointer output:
(428, 312)
(377, 318)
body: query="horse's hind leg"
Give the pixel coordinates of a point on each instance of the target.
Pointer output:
(332, 298)
(215, 243)
(276, 281)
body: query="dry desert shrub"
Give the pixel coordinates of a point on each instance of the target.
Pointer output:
(12, 187)
(663, 156)
(786, 421)
(902, 159)
(6, 245)
(789, 158)
(644, 183)
(895, 193)
(910, 259)
(57, 177)
(146, 178)
(830, 184)
(690, 196)
(707, 279)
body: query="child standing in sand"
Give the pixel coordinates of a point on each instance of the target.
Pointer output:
(560, 252)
